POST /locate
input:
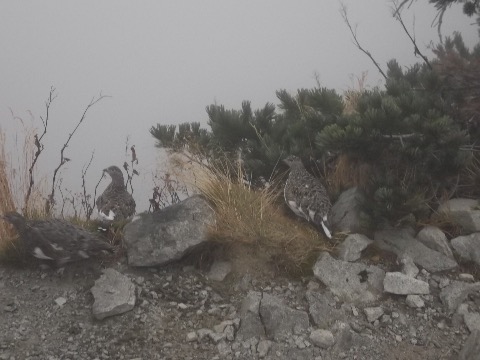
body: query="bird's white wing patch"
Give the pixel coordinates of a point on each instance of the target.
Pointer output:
(327, 232)
(83, 254)
(38, 253)
(56, 247)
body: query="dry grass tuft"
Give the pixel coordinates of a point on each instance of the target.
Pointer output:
(255, 219)
(347, 173)
(14, 183)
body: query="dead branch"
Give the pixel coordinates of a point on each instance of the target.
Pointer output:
(86, 197)
(39, 147)
(398, 17)
(63, 159)
(343, 12)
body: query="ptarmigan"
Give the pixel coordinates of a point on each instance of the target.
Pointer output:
(116, 203)
(56, 240)
(305, 195)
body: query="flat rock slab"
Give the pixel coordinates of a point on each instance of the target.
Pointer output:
(402, 242)
(321, 308)
(350, 281)
(166, 235)
(281, 321)
(401, 284)
(468, 247)
(464, 212)
(114, 294)
(456, 292)
(250, 323)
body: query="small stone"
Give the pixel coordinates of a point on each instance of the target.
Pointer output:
(415, 301)
(322, 338)
(398, 338)
(373, 313)
(466, 277)
(60, 301)
(192, 336)
(219, 270)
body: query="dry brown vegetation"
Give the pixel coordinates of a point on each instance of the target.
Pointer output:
(14, 182)
(254, 218)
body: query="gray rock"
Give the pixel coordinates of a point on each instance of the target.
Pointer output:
(322, 338)
(279, 319)
(113, 293)
(250, 323)
(164, 236)
(350, 281)
(219, 270)
(192, 336)
(401, 284)
(466, 277)
(464, 212)
(454, 294)
(414, 301)
(408, 266)
(351, 248)
(471, 349)
(321, 312)
(471, 319)
(263, 348)
(373, 313)
(346, 214)
(402, 242)
(434, 238)
(468, 247)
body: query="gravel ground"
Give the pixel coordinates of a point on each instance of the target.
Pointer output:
(46, 315)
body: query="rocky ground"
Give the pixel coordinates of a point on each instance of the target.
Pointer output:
(184, 313)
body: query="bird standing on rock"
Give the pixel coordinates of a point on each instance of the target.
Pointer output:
(305, 194)
(56, 240)
(116, 203)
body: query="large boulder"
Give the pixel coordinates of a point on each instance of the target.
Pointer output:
(166, 235)
(435, 239)
(346, 214)
(468, 247)
(465, 212)
(402, 243)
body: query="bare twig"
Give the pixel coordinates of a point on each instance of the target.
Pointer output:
(39, 147)
(133, 162)
(343, 12)
(398, 17)
(86, 197)
(63, 159)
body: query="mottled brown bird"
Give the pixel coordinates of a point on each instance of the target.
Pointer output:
(306, 196)
(116, 203)
(56, 240)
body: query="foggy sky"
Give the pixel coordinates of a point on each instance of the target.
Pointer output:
(165, 61)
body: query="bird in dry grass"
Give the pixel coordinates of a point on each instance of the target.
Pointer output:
(116, 203)
(56, 240)
(306, 196)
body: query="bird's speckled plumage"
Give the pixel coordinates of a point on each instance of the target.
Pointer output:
(116, 200)
(56, 240)
(305, 195)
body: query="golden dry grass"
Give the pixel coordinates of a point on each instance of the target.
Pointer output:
(347, 173)
(255, 219)
(14, 183)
